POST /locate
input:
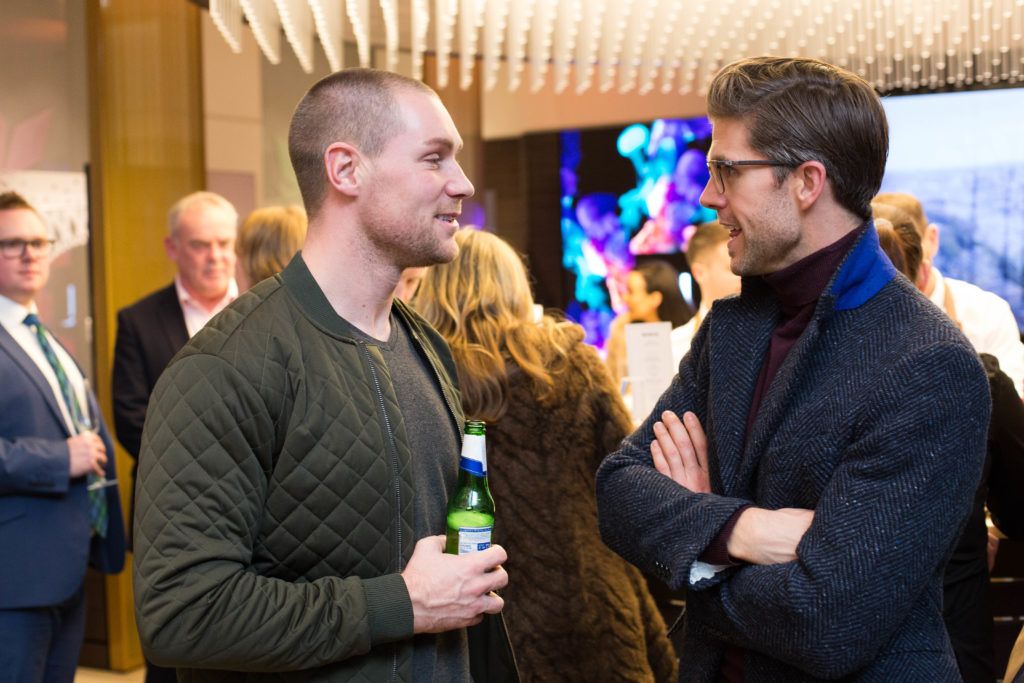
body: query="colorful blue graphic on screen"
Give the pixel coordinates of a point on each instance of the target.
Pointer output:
(602, 232)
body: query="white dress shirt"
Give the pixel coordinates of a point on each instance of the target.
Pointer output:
(197, 315)
(987, 321)
(12, 317)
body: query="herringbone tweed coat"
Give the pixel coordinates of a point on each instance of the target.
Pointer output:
(877, 422)
(575, 610)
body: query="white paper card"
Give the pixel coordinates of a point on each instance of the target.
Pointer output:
(649, 364)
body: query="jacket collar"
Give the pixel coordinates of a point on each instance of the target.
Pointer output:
(307, 292)
(862, 274)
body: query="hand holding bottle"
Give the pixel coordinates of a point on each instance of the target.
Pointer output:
(453, 591)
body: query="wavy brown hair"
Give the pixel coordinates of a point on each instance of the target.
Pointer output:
(482, 305)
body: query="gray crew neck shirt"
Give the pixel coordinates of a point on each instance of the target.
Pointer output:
(435, 444)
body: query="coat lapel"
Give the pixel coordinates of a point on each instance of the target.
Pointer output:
(172, 321)
(777, 396)
(737, 353)
(22, 360)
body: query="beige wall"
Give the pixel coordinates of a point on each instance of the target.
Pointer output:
(512, 114)
(233, 117)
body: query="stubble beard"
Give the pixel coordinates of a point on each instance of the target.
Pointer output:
(775, 234)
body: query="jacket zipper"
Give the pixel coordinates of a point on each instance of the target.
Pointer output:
(398, 483)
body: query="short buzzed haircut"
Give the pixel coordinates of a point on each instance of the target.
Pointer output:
(704, 238)
(356, 106)
(798, 110)
(907, 203)
(193, 200)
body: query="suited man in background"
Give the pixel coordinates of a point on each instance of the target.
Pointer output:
(56, 515)
(201, 243)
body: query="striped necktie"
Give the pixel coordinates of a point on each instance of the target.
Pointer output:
(98, 518)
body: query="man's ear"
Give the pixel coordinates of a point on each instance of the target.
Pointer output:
(341, 161)
(930, 244)
(171, 248)
(698, 270)
(811, 179)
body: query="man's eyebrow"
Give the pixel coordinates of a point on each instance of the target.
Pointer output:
(447, 143)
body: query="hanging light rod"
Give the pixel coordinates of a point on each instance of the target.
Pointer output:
(646, 45)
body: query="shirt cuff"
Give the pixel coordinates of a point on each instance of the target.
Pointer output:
(717, 552)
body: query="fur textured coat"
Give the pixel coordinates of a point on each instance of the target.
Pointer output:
(575, 610)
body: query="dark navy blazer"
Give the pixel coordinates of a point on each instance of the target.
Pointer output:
(45, 537)
(876, 421)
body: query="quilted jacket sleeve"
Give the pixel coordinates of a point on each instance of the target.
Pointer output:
(647, 518)
(884, 525)
(208, 447)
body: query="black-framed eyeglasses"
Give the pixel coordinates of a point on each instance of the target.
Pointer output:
(17, 248)
(717, 166)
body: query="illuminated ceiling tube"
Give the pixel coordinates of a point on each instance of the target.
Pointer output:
(680, 31)
(471, 14)
(227, 17)
(520, 13)
(587, 43)
(389, 8)
(495, 23)
(359, 17)
(637, 35)
(297, 22)
(327, 18)
(540, 41)
(266, 27)
(445, 12)
(567, 27)
(653, 58)
(616, 18)
(420, 22)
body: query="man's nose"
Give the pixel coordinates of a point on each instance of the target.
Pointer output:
(460, 185)
(711, 198)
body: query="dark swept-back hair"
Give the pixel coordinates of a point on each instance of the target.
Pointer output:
(799, 110)
(356, 106)
(661, 276)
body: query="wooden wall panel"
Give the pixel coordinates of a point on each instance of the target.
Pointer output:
(146, 133)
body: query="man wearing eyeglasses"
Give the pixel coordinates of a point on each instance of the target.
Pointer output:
(56, 516)
(807, 473)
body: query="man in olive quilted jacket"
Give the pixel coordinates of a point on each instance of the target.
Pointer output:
(298, 454)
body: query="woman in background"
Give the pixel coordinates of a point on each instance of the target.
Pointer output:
(267, 241)
(652, 295)
(575, 611)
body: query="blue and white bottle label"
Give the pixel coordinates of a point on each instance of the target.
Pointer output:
(473, 539)
(474, 454)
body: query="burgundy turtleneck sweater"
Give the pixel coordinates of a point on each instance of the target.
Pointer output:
(798, 288)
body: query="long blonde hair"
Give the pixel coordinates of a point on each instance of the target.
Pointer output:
(482, 305)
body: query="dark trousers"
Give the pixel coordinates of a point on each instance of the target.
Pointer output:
(968, 614)
(159, 674)
(41, 644)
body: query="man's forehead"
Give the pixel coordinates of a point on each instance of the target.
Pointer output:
(728, 137)
(21, 221)
(426, 118)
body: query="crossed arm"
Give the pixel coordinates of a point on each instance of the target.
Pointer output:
(680, 452)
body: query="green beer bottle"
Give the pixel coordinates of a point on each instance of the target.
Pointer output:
(471, 508)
